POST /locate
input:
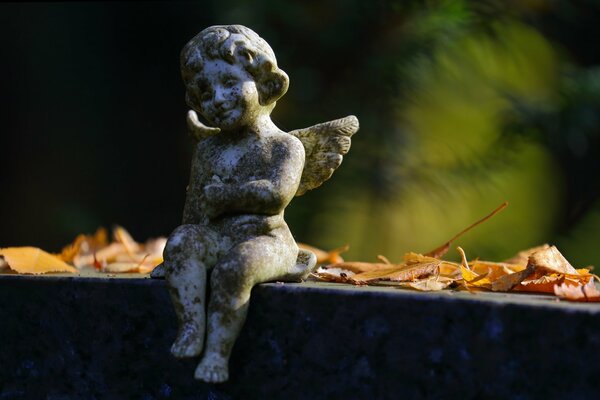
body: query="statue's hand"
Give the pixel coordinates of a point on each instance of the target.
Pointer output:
(214, 192)
(214, 195)
(197, 129)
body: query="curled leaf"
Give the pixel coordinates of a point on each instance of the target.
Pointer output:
(551, 260)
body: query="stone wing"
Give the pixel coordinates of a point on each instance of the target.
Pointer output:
(325, 145)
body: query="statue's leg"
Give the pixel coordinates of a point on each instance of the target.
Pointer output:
(260, 259)
(190, 250)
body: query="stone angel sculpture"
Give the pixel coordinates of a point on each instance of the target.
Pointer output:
(244, 172)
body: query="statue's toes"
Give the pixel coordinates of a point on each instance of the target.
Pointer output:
(159, 272)
(212, 372)
(188, 344)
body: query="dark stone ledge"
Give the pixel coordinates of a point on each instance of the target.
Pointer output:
(108, 338)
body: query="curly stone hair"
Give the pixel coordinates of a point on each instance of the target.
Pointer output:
(234, 44)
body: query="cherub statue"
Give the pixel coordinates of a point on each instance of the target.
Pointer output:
(245, 171)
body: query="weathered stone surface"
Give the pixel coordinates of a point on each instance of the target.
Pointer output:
(245, 171)
(100, 338)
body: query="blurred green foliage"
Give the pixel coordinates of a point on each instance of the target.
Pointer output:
(462, 105)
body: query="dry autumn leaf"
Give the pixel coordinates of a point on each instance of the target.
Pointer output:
(398, 273)
(443, 249)
(507, 282)
(522, 257)
(326, 257)
(433, 283)
(551, 260)
(124, 254)
(85, 244)
(584, 293)
(32, 260)
(359, 267)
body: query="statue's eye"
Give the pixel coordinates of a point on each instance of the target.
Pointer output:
(229, 82)
(205, 96)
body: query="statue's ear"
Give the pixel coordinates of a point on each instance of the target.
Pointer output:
(272, 86)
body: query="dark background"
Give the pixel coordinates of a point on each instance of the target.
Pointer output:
(93, 119)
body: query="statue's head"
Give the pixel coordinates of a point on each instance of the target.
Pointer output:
(231, 75)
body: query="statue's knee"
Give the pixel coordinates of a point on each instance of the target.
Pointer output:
(186, 241)
(234, 274)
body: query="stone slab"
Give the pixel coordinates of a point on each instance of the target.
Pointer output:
(107, 337)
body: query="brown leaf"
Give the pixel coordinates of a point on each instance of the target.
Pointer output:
(552, 261)
(522, 257)
(439, 252)
(507, 282)
(359, 267)
(326, 257)
(399, 273)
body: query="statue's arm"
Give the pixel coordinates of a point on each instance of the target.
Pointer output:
(270, 193)
(193, 209)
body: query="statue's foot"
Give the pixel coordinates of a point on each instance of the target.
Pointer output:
(159, 272)
(189, 342)
(305, 264)
(212, 370)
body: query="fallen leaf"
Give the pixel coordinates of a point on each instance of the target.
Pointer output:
(359, 266)
(123, 237)
(84, 244)
(583, 293)
(507, 282)
(495, 270)
(433, 283)
(326, 257)
(333, 275)
(399, 273)
(551, 260)
(540, 284)
(522, 257)
(120, 267)
(443, 249)
(32, 260)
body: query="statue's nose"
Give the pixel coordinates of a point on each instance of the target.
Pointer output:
(219, 97)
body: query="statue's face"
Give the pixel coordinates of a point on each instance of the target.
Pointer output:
(228, 96)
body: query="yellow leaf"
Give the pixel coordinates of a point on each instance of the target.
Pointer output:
(84, 243)
(32, 260)
(495, 270)
(416, 258)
